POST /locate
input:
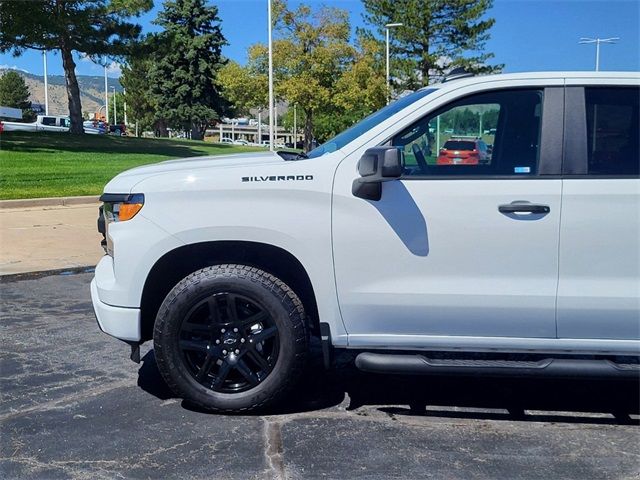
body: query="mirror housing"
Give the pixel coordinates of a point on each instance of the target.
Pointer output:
(377, 165)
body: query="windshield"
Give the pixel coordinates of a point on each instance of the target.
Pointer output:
(351, 133)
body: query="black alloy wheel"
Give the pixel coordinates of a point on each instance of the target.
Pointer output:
(229, 342)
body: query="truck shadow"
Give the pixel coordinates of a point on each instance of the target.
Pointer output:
(481, 398)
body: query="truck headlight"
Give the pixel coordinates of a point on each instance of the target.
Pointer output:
(118, 207)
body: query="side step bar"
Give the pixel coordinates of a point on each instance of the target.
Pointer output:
(417, 364)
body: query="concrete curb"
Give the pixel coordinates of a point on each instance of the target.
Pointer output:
(48, 202)
(14, 277)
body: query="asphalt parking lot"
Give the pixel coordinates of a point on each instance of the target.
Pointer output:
(74, 406)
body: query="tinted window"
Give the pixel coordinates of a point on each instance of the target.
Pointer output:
(505, 123)
(613, 131)
(48, 121)
(459, 145)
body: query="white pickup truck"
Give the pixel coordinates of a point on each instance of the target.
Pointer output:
(526, 263)
(43, 123)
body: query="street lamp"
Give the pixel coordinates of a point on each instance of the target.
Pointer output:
(115, 119)
(106, 95)
(598, 41)
(387, 28)
(270, 79)
(46, 84)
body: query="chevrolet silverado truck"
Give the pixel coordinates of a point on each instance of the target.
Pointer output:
(526, 264)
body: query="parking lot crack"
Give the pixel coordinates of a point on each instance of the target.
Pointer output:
(65, 401)
(273, 449)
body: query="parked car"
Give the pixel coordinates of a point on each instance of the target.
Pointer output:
(95, 127)
(226, 140)
(43, 123)
(118, 129)
(240, 141)
(463, 151)
(230, 264)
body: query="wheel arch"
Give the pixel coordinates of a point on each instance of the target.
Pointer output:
(176, 264)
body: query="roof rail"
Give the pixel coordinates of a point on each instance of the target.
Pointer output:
(457, 73)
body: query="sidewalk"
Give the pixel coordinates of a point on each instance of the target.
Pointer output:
(47, 238)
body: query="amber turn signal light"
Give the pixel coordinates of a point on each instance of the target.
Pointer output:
(129, 210)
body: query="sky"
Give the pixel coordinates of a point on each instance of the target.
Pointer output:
(529, 35)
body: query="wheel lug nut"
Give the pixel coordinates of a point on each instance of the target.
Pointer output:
(242, 340)
(217, 342)
(223, 330)
(224, 352)
(237, 351)
(235, 329)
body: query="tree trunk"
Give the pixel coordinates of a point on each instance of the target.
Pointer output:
(308, 130)
(197, 132)
(73, 91)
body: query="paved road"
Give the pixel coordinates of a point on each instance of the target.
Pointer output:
(74, 406)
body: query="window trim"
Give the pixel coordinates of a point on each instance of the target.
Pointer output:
(575, 159)
(550, 159)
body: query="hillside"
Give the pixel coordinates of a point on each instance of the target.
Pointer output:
(91, 91)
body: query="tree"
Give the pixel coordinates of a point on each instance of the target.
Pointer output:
(437, 36)
(185, 67)
(93, 27)
(245, 87)
(141, 104)
(332, 82)
(15, 93)
(311, 53)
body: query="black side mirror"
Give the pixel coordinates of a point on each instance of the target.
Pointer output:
(377, 165)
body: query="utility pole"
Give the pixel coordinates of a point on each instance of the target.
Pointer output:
(598, 41)
(270, 80)
(46, 84)
(295, 127)
(387, 28)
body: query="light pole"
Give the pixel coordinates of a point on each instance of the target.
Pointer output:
(46, 84)
(270, 80)
(106, 95)
(115, 119)
(598, 41)
(124, 92)
(387, 28)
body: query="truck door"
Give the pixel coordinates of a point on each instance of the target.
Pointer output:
(457, 248)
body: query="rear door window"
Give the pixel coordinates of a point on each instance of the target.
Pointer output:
(613, 130)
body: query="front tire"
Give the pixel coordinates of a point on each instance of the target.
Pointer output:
(231, 338)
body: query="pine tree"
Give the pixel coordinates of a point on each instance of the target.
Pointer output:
(186, 64)
(436, 36)
(15, 93)
(93, 27)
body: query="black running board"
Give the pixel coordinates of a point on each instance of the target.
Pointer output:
(550, 367)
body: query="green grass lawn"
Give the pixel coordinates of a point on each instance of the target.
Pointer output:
(34, 165)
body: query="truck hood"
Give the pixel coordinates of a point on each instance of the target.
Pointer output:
(125, 181)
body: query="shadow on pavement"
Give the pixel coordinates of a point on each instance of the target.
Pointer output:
(482, 398)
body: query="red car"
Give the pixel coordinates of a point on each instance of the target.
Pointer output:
(463, 151)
